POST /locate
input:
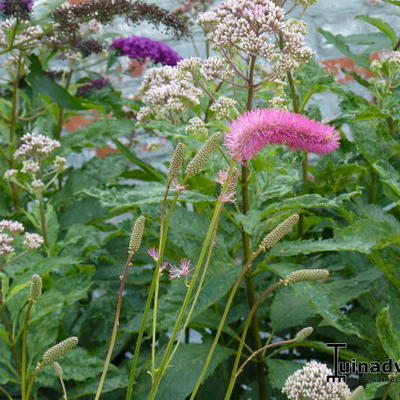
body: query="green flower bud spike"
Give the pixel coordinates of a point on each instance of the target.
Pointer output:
(176, 161)
(231, 187)
(357, 394)
(303, 275)
(36, 288)
(303, 334)
(57, 351)
(204, 153)
(136, 236)
(279, 232)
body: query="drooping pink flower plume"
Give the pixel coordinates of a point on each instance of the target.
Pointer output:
(257, 128)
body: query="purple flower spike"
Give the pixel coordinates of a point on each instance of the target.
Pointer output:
(140, 48)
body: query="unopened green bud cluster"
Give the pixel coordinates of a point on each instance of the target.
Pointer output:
(176, 162)
(279, 232)
(303, 275)
(204, 153)
(136, 236)
(57, 351)
(303, 334)
(231, 187)
(36, 288)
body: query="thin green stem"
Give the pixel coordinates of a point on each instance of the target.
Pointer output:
(11, 340)
(43, 222)
(166, 357)
(244, 334)
(115, 327)
(222, 324)
(24, 350)
(157, 273)
(135, 360)
(261, 350)
(255, 326)
(296, 109)
(64, 389)
(31, 381)
(60, 118)
(386, 391)
(2, 390)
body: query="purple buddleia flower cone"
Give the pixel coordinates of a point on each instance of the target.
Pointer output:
(142, 48)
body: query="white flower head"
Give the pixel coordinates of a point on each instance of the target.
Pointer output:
(311, 383)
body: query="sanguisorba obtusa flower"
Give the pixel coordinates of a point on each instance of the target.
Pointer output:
(255, 129)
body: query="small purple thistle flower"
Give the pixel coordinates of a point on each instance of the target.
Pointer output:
(95, 84)
(140, 48)
(184, 269)
(257, 128)
(153, 253)
(177, 187)
(163, 265)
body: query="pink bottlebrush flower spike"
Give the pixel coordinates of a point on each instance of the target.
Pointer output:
(255, 129)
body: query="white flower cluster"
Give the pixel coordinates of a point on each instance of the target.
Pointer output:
(5, 244)
(33, 150)
(9, 229)
(245, 25)
(257, 28)
(33, 241)
(90, 27)
(190, 64)
(387, 66)
(224, 107)
(310, 383)
(216, 68)
(35, 145)
(13, 227)
(167, 90)
(278, 102)
(28, 36)
(196, 128)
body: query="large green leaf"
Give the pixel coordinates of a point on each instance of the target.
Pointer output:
(340, 43)
(155, 173)
(280, 370)
(125, 198)
(326, 299)
(389, 176)
(382, 26)
(307, 201)
(363, 236)
(186, 367)
(98, 133)
(220, 278)
(388, 336)
(43, 84)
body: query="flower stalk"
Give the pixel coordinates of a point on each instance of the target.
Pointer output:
(134, 245)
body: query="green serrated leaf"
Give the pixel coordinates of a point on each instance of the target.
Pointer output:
(387, 334)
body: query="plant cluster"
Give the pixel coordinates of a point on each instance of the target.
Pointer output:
(267, 231)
